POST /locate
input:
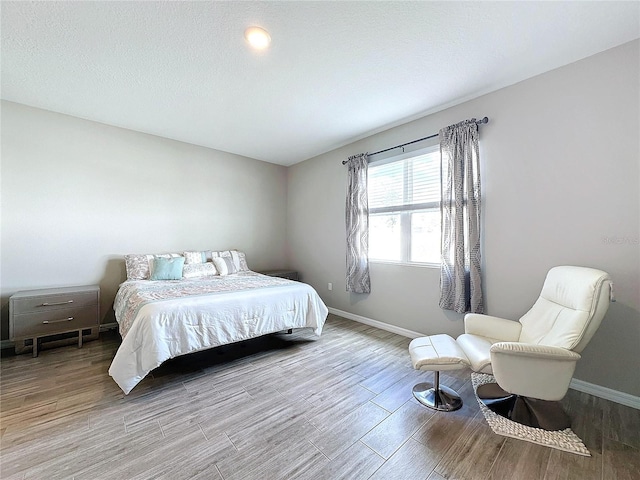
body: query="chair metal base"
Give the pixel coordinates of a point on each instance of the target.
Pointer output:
(524, 410)
(437, 397)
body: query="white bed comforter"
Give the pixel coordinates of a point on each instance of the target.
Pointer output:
(160, 320)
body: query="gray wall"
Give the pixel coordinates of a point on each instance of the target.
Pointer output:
(78, 195)
(560, 170)
(560, 178)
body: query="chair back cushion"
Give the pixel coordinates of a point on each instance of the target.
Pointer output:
(569, 310)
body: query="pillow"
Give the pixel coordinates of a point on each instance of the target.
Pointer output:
(225, 265)
(236, 259)
(195, 270)
(152, 258)
(137, 267)
(239, 258)
(140, 266)
(167, 268)
(242, 261)
(192, 256)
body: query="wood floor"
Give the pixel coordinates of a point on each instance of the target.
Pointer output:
(280, 407)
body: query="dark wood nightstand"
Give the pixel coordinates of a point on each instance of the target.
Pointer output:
(289, 274)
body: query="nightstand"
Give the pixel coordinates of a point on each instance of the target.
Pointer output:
(41, 313)
(290, 274)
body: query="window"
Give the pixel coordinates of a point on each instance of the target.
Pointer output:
(404, 208)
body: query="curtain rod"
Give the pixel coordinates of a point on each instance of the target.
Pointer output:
(484, 120)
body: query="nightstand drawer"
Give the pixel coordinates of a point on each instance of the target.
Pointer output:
(50, 323)
(46, 303)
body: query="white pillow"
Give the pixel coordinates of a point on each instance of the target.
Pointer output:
(192, 257)
(197, 256)
(195, 270)
(225, 265)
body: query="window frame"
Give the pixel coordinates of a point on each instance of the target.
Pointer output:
(406, 211)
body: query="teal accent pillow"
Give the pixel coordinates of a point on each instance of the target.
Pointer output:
(167, 268)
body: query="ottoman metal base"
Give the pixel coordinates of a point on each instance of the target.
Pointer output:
(438, 397)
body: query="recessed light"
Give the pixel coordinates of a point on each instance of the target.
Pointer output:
(257, 37)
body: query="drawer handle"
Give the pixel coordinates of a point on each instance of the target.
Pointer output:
(47, 304)
(58, 321)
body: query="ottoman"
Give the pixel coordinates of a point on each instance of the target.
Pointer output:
(437, 353)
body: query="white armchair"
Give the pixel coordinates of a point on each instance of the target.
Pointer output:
(533, 360)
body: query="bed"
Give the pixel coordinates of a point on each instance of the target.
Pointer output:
(163, 319)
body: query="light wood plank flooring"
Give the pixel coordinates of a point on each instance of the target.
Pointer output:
(280, 407)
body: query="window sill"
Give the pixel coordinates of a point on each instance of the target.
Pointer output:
(406, 264)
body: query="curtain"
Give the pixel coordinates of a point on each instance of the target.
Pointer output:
(357, 223)
(460, 285)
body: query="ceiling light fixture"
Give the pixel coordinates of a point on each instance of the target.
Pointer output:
(257, 37)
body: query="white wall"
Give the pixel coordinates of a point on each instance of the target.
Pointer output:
(560, 178)
(78, 195)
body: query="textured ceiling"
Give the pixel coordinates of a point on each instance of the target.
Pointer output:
(335, 71)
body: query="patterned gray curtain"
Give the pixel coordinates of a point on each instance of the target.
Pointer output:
(357, 220)
(460, 286)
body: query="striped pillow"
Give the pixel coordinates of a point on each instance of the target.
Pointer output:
(239, 259)
(242, 260)
(225, 265)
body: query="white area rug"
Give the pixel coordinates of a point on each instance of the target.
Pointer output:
(564, 440)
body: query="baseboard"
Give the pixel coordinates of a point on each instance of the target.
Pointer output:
(579, 385)
(606, 393)
(375, 323)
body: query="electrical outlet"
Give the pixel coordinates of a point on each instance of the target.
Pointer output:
(330, 286)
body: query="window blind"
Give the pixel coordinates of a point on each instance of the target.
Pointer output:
(409, 184)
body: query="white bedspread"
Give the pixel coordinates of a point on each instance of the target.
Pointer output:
(156, 326)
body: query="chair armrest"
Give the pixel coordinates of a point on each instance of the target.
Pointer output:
(492, 327)
(537, 371)
(535, 351)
